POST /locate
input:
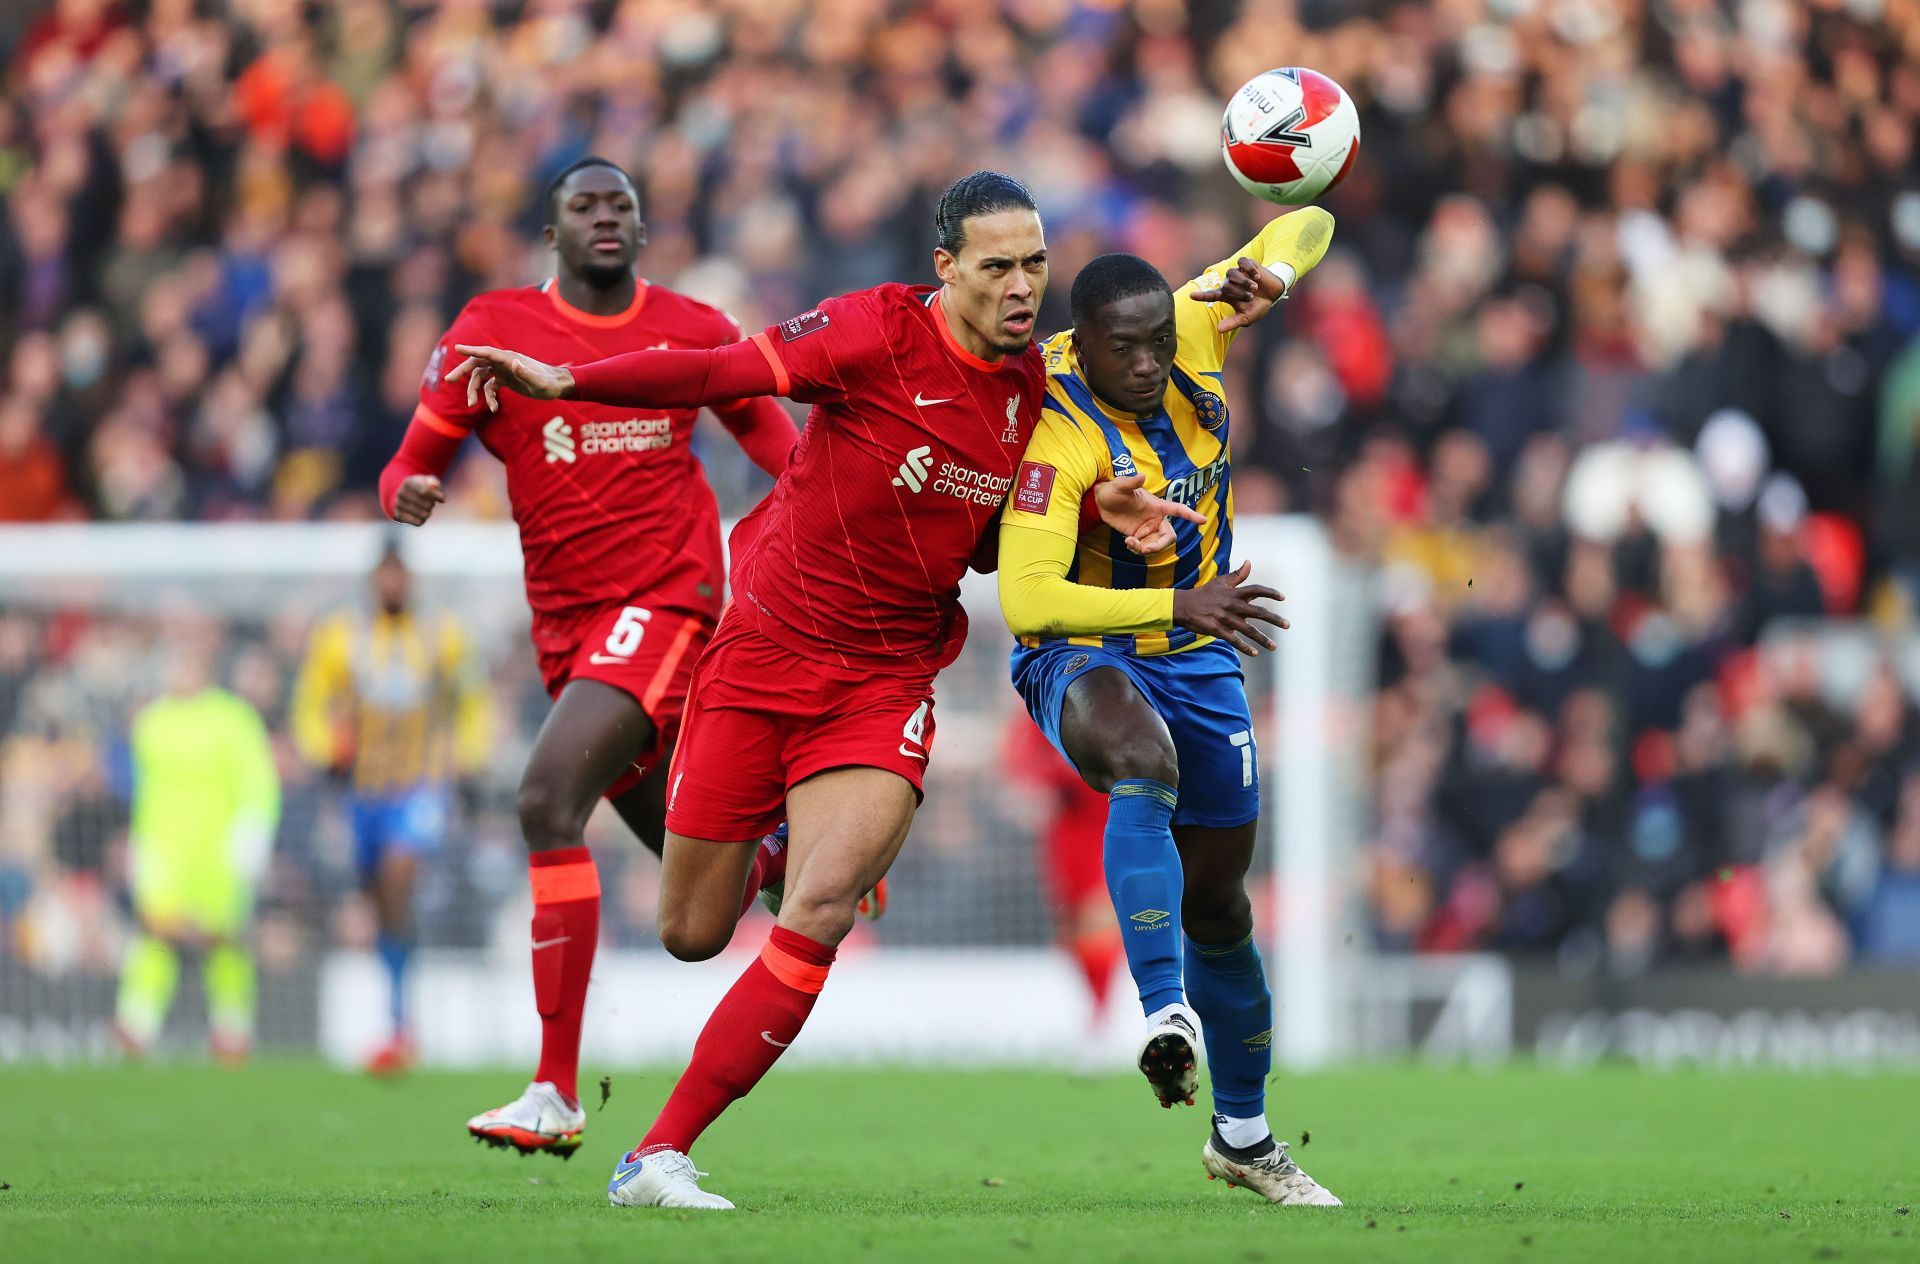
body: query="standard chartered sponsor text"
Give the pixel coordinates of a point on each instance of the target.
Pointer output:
(974, 485)
(631, 434)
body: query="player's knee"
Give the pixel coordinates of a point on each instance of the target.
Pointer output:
(548, 818)
(688, 938)
(1130, 759)
(1216, 915)
(825, 917)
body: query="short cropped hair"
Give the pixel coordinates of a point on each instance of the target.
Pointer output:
(592, 160)
(1112, 277)
(981, 193)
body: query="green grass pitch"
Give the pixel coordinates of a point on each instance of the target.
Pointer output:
(291, 1162)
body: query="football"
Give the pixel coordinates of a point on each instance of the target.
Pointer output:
(1290, 135)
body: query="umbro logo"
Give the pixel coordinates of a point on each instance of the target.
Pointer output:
(1151, 917)
(558, 436)
(1262, 1041)
(913, 470)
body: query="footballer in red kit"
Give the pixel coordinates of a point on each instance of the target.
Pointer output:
(847, 602)
(815, 698)
(620, 532)
(621, 538)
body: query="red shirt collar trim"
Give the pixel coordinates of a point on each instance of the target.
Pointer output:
(953, 344)
(640, 288)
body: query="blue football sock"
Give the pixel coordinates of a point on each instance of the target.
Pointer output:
(1227, 987)
(1144, 879)
(394, 951)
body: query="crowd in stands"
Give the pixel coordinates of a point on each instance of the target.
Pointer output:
(1612, 375)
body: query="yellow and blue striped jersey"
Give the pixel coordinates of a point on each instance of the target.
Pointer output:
(1183, 453)
(402, 701)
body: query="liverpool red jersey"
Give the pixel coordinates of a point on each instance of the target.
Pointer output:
(856, 557)
(609, 500)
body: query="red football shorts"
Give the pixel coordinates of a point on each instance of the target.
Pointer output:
(761, 719)
(1075, 846)
(644, 653)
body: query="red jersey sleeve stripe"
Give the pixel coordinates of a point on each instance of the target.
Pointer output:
(440, 425)
(663, 676)
(781, 382)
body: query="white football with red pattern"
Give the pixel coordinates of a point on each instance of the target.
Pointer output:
(1290, 135)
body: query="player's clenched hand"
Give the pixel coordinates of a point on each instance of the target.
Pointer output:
(1250, 289)
(1227, 606)
(487, 368)
(413, 503)
(1138, 514)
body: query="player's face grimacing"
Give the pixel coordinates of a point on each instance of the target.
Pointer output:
(995, 283)
(1126, 349)
(596, 226)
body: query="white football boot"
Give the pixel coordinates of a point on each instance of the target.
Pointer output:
(1170, 1056)
(1268, 1171)
(664, 1178)
(538, 1120)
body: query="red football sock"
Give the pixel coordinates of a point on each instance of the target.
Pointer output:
(566, 930)
(1096, 956)
(757, 1019)
(769, 865)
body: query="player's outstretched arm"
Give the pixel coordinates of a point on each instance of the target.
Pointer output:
(1136, 513)
(638, 379)
(1268, 268)
(1227, 607)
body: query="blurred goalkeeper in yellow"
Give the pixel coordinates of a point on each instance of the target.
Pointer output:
(395, 705)
(206, 799)
(1128, 664)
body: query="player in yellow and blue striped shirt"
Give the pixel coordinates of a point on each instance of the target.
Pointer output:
(397, 702)
(1127, 662)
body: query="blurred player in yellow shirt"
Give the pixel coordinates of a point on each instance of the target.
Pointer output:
(395, 705)
(206, 799)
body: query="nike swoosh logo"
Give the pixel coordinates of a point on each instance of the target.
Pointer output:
(600, 659)
(538, 944)
(923, 401)
(778, 1044)
(911, 753)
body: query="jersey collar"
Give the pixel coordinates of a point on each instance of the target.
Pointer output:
(953, 344)
(591, 321)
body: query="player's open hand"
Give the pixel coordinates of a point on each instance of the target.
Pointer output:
(1249, 288)
(1139, 515)
(488, 368)
(413, 503)
(1227, 606)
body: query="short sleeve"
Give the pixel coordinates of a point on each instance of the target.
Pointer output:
(822, 355)
(443, 404)
(1056, 471)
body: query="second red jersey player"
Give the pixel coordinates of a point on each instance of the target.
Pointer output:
(621, 538)
(618, 527)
